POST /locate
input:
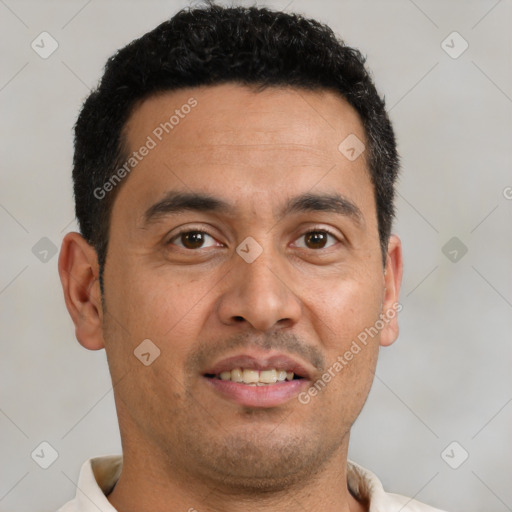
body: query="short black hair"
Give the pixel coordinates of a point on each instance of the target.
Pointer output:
(211, 45)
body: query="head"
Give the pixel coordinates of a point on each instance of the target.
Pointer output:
(226, 215)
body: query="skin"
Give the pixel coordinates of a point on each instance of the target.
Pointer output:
(184, 445)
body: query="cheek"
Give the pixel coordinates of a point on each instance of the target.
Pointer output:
(352, 347)
(168, 310)
(342, 309)
(155, 303)
(144, 308)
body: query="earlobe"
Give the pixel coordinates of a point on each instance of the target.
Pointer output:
(79, 275)
(392, 280)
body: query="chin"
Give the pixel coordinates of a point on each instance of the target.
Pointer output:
(255, 462)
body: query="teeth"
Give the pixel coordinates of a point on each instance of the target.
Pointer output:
(251, 376)
(237, 375)
(256, 377)
(268, 376)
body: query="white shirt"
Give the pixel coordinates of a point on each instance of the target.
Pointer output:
(99, 475)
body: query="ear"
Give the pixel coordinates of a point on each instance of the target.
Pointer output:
(392, 281)
(79, 275)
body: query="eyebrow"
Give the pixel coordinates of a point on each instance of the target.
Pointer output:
(335, 203)
(179, 202)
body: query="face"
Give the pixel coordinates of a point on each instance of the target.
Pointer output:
(245, 246)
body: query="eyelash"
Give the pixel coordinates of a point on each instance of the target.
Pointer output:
(188, 230)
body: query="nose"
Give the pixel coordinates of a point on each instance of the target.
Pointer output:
(260, 294)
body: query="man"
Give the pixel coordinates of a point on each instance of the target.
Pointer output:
(234, 178)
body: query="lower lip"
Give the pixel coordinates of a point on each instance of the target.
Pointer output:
(270, 395)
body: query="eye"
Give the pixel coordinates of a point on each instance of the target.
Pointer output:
(193, 239)
(316, 239)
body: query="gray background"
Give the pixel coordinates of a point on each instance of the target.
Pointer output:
(448, 376)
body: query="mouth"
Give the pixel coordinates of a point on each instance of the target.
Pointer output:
(252, 377)
(254, 381)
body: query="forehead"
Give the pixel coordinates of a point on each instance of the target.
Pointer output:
(313, 119)
(231, 141)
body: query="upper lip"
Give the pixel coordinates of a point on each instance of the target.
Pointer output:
(249, 361)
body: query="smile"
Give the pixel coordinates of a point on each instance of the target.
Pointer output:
(253, 377)
(261, 380)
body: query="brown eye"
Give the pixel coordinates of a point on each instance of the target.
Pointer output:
(190, 239)
(316, 239)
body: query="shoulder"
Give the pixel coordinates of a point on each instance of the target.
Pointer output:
(365, 485)
(97, 478)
